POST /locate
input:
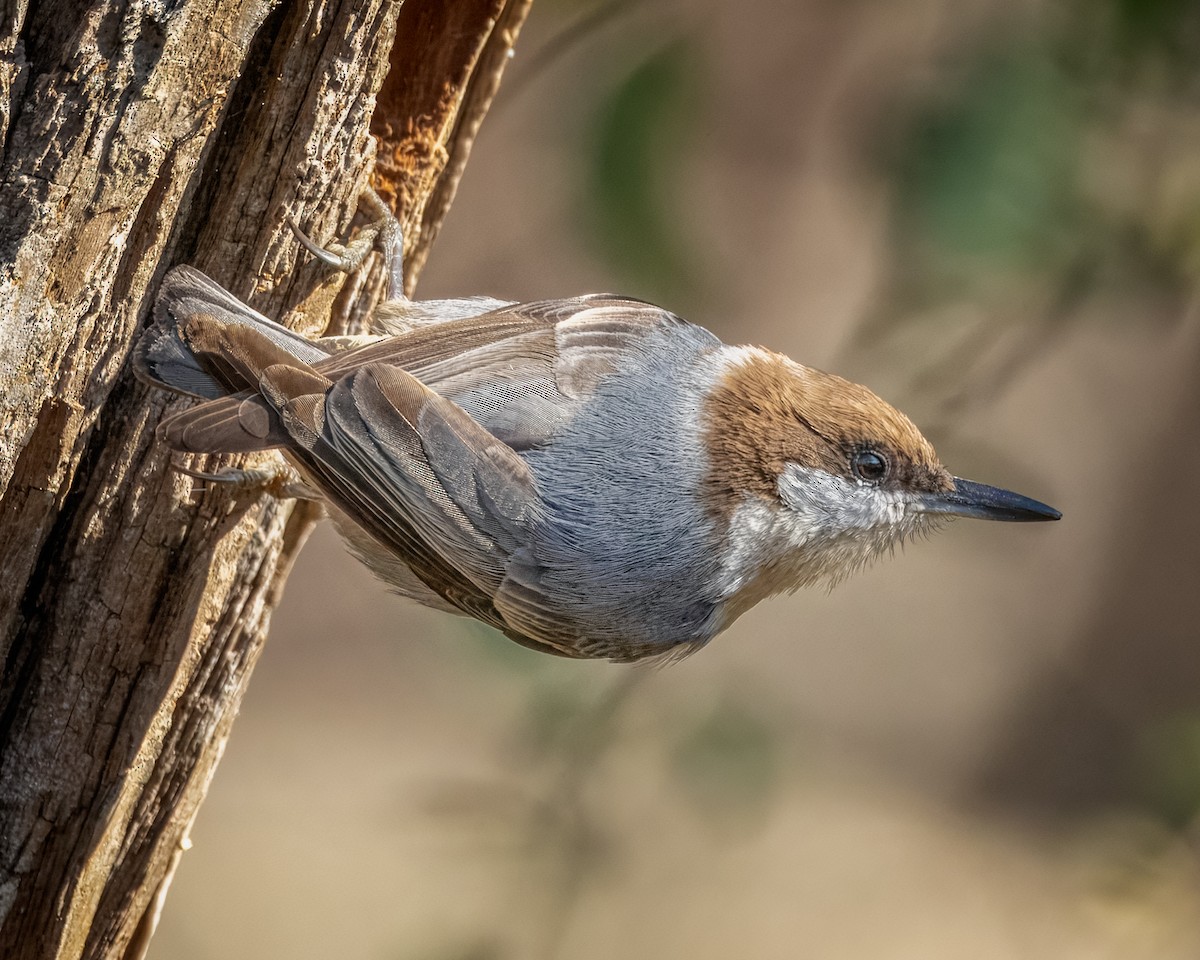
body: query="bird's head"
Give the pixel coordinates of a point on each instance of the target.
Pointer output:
(811, 476)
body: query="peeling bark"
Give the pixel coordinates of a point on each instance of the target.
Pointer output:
(134, 605)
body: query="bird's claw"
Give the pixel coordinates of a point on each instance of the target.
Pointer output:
(383, 232)
(344, 257)
(279, 481)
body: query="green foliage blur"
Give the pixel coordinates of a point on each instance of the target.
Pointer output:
(1012, 171)
(642, 130)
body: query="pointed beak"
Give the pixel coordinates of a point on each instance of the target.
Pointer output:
(971, 499)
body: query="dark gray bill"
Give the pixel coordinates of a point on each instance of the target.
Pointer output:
(971, 499)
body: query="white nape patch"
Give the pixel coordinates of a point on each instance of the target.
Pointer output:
(821, 530)
(740, 356)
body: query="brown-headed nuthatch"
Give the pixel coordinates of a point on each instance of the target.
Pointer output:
(594, 477)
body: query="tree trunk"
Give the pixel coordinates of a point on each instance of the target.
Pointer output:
(134, 604)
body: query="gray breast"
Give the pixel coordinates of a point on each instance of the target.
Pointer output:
(624, 545)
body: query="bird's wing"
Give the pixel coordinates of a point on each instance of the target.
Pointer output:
(520, 371)
(414, 471)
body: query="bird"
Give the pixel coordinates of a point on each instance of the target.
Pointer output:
(594, 477)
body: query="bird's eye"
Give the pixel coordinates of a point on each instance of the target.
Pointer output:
(869, 466)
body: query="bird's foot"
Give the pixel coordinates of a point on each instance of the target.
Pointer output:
(383, 232)
(278, 480)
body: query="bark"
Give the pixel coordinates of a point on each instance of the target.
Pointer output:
(133, 605)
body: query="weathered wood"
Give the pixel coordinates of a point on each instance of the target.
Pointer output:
(417, 173)
(133, 604)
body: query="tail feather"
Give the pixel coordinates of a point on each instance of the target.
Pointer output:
(243, 423)
(204, 342)
(165, 358)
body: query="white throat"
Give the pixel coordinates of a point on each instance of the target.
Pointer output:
(821, 530)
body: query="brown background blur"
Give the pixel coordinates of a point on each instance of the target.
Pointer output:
(988, 747)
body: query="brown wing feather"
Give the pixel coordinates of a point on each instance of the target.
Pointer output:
(243, 423)
(520, 371)
(234, 356)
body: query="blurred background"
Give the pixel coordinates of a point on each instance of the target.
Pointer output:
(989, 747)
